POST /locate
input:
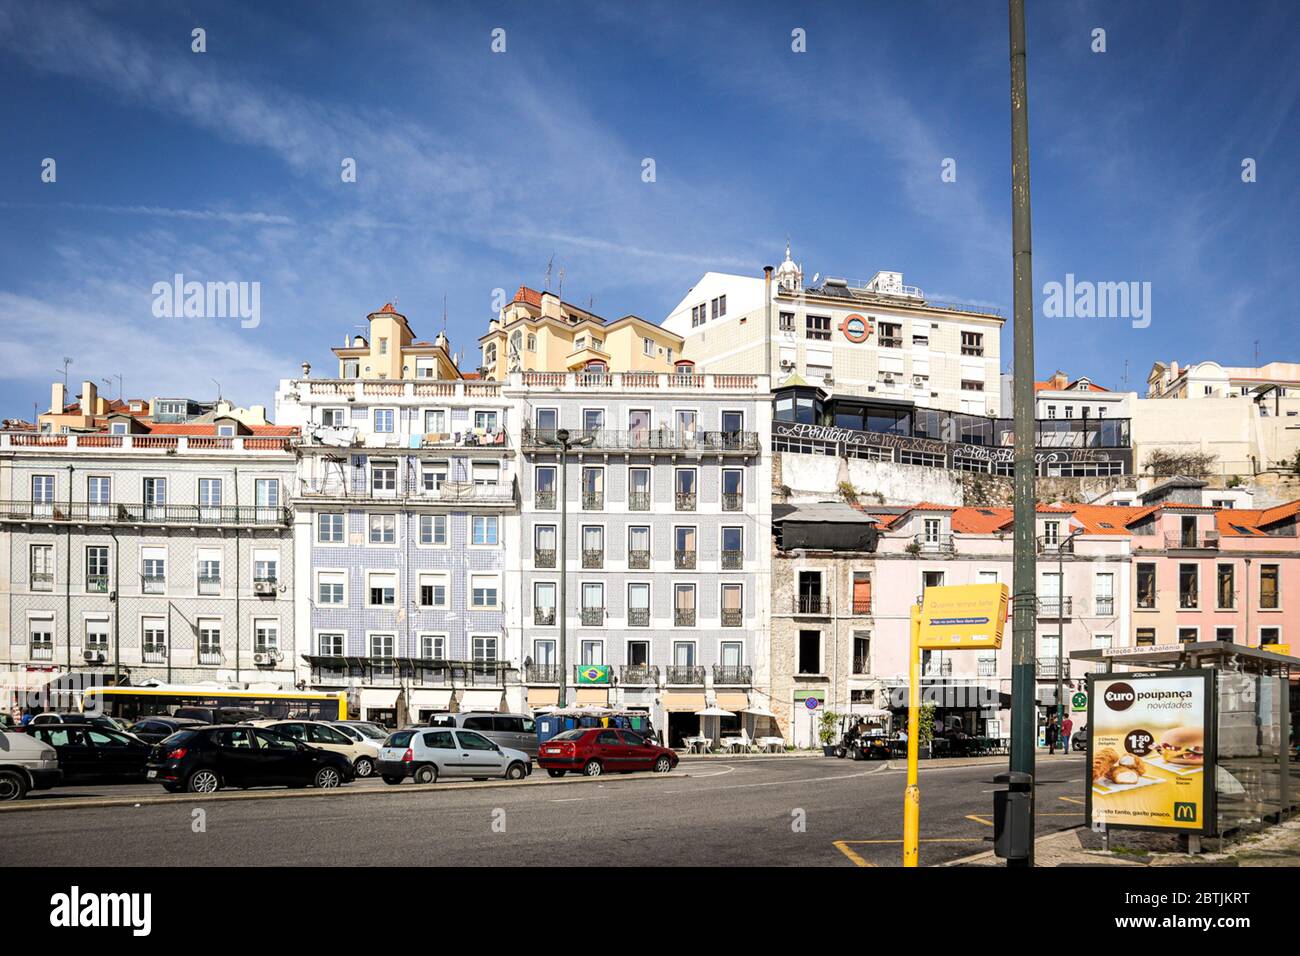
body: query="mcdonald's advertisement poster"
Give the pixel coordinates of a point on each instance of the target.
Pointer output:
(1152, 764)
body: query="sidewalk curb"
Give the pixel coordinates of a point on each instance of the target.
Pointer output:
(96, 803)
(976, 859)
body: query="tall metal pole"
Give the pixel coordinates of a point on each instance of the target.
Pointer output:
(1023, 724)
(564, 570)
(1060, 641)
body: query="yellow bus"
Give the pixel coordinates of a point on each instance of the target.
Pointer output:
(132, 703)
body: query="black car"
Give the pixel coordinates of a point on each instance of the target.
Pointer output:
(154, 730)
(205, 759)
(89, 753)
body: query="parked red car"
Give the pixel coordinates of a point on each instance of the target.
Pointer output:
(593, 751)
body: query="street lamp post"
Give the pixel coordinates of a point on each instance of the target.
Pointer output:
(564, 442)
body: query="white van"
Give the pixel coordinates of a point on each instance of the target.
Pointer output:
(26, 764)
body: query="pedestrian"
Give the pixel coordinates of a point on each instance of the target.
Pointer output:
(1051, 734)
(1067, 728)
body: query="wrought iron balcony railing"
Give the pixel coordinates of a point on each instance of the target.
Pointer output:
(542, 673)
(544, 500)
(97, 583)
(593, 558)
(862, 607)
(639, 674)
(685, 674)
(638, 501)
(638, 559)
(593, 501)
(593, 616)
(732, 617)
(812, 604)
(544, 558)
(733, 501)
(142, 514)
(544, 616)
(685, 500)
(649, 439)
(933, 544)
(684, 617)
(1192, 541)
(732, 560)
(1053, 607)
(683, 560)
(638, 617)
(732, 674)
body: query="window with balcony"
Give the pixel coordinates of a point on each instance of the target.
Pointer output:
(685, 487)
(544, 603)
(593, 653)
(593, 546)
(435, 422)
(1146, 585)
(40, 634)
(862, 652)
(544, 541)
(266, 635)
(486, 421)
(638, 547)
(638, 489)
(43, 494)
(733, 549)
(593, 419)
(733, 489)
(99, 495)
(593, 489)
(1269, 595)
(210, 499)
(153, 640)
(684, 548)
(41, 567)
(1189, 586)
(684, 605)
(972, 343)
(155, 493)
(593, 604)
(153, 570)
(861, 593)
(209, 641)
(433, 530)
(433, 475)
(733, 605)
(638, 605)
(1103, 594)
(809, 598)
(329, 644)
(544, 487)
(544, 668)
(266, 566)
(97, 569)
(329, 528)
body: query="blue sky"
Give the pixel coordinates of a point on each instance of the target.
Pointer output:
(474, 168)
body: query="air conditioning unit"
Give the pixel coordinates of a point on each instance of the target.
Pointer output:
(787, 364)
(94, 657)
(889, 378)
(828, 379)
(264, 587)
(261, 659)
(918, 381)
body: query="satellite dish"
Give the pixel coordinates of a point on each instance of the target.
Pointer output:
(816, 276)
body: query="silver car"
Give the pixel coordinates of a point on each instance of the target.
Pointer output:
(428, 753)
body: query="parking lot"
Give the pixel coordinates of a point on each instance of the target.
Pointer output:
(753, 811)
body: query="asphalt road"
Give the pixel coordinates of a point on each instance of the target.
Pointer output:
(773, 812)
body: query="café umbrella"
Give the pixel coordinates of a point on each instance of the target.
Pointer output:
(713, 710)
(758, 711)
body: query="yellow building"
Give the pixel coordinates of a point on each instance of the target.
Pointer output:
(87, 412)
(391, 351)
(536, 332)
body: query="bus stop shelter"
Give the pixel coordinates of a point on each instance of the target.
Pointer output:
(1256, 712)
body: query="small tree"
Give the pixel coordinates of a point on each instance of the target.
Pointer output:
(925, 732)
(1164, 463)
(828, 727)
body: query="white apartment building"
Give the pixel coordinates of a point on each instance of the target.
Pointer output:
(880, 337)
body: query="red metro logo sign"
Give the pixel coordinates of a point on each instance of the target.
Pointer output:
(856, 328)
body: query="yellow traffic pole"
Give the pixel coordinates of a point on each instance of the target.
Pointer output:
(912, 796)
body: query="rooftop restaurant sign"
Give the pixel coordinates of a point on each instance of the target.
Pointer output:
(994, 454)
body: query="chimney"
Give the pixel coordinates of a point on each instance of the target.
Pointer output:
(258, 414)
(306, 369)
(58, 398)
(89, 398)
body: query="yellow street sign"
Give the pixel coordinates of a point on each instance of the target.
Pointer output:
(964, 616)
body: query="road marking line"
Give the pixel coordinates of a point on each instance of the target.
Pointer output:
(979, 819)
(856, 858)
(1073, 800)
(782, 783)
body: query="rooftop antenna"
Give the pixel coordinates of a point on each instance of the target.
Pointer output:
(218, 384)
(1257, 353)
(1126, 375)
(560, 292)
(549, 262)
(444, 313)
(66, 362)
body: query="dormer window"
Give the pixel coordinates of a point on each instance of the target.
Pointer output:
(117, 428)
(226, 431)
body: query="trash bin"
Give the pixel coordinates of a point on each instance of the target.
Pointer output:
(1012, 834)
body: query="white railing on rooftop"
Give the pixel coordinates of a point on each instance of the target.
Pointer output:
(640, 381)
(99, 441)
(362, 389)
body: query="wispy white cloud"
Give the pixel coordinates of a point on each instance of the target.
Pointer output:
(198, 215)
